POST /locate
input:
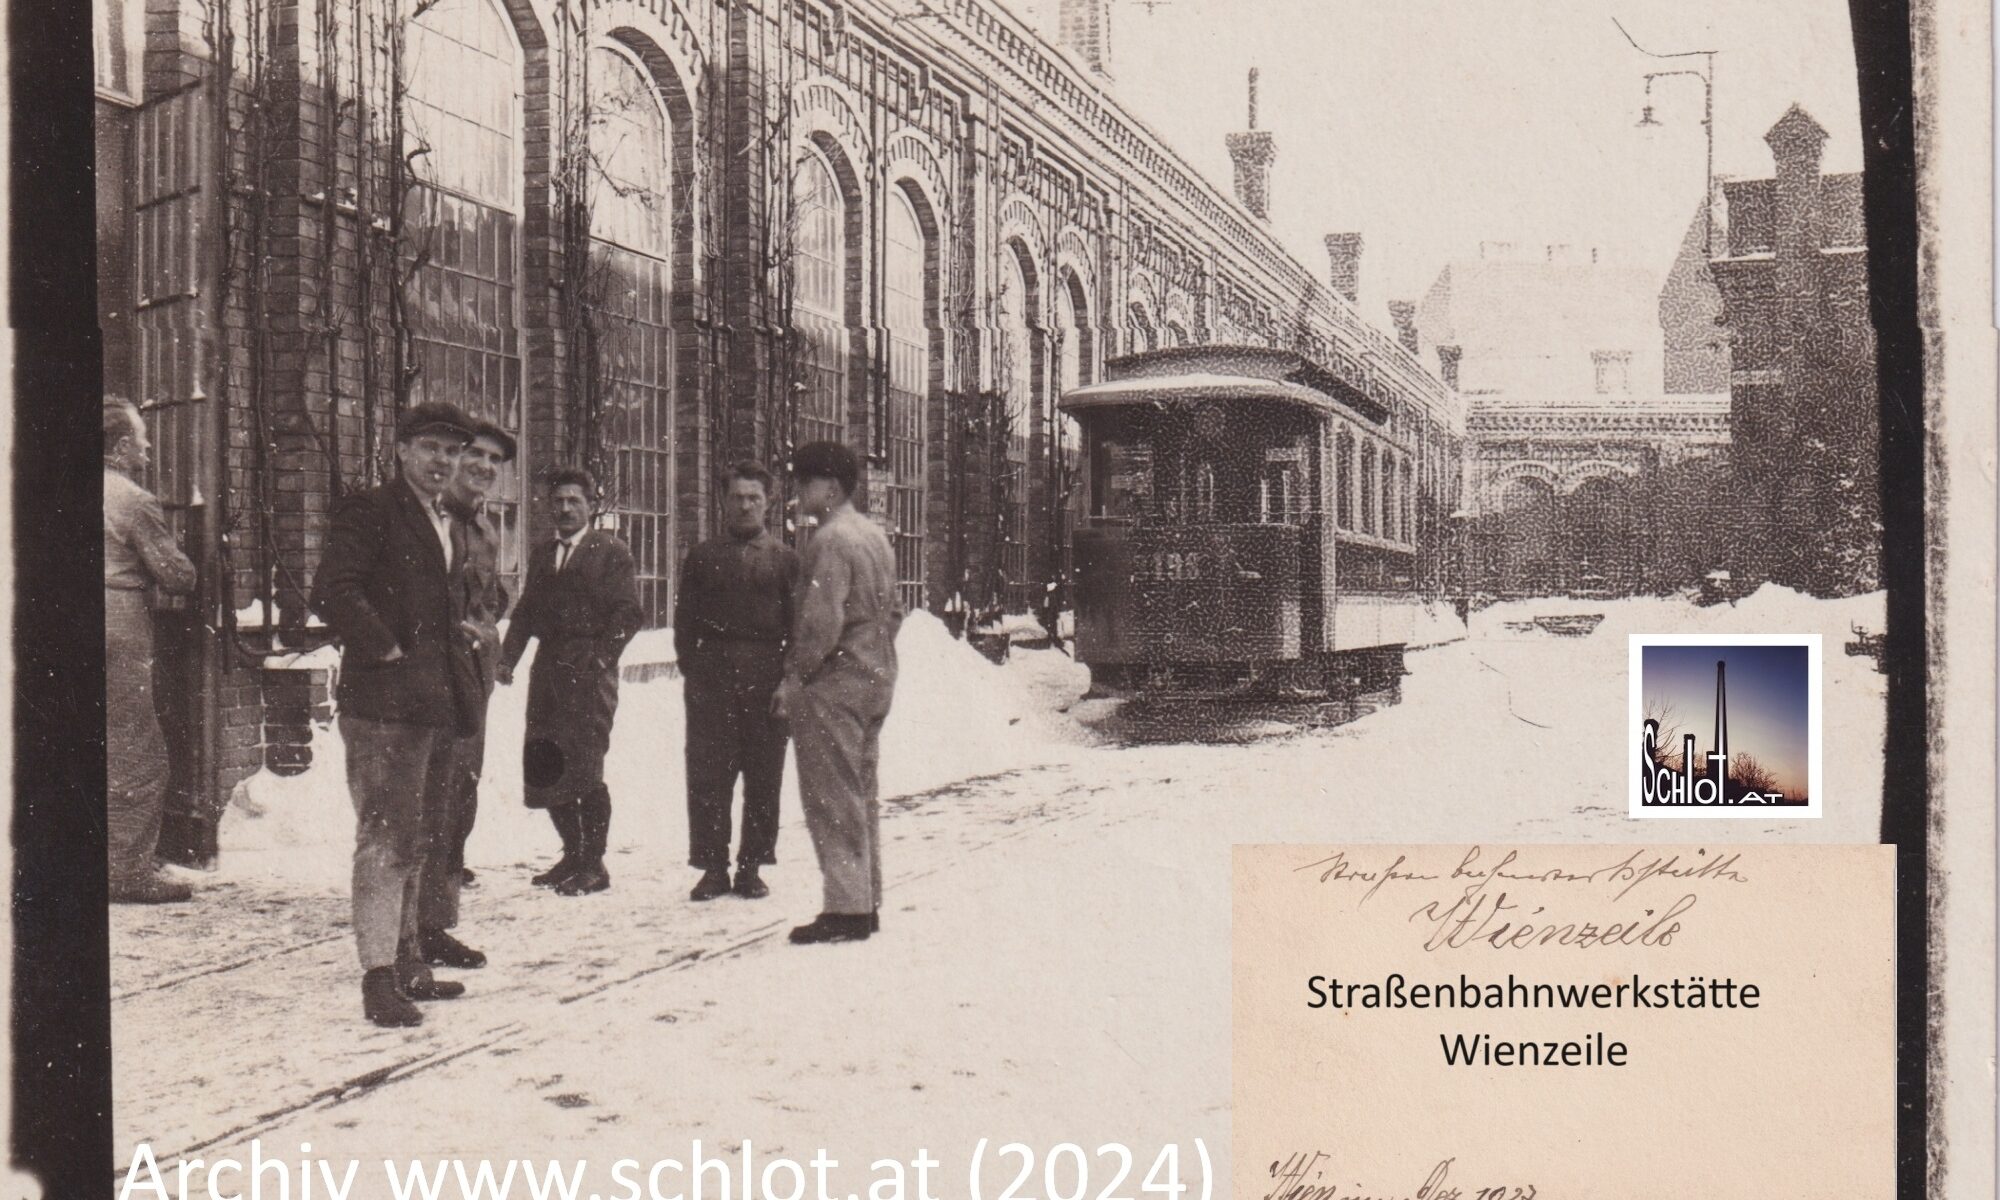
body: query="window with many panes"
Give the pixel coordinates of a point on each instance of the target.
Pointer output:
(1017, 389)
(819, 294)
(462, 109)
(904, 261)
(631, 293)
(1370, 514)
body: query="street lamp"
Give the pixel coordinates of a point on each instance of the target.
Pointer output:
(1647, 121)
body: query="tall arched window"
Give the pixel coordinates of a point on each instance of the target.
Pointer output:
(819, 294)
(1073, 318)
(1370, 515)
(1176, 334)
(631, 292)
(1140, 332)
(906, 255)
(1391, 501)
(1343, 480)
(462, 108)
(1016, 360)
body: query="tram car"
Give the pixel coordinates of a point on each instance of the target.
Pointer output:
(1251, 523)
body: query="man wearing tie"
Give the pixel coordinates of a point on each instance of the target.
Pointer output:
(390, 585)
(581, 600)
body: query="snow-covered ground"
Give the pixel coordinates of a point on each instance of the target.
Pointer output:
(1053, 962)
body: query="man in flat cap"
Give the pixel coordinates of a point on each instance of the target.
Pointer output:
(732, 618)
(840, 673)
(449, 825)
(391, 586)
(581, 600)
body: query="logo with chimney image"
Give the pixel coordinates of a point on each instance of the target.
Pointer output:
(1756, 699)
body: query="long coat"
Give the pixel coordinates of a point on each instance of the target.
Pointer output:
(383, 583)
(583, 614)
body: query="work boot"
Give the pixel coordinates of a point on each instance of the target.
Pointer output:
(714, 882)
(150, 889)
(440, 949)
(568, 822)
(749, 886)
(593, 831)
(591, 877)
(834, 927)
(417, 983)
(383, 1002)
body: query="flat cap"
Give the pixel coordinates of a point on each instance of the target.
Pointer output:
(487, 429)
(827, 460)
(434, 417)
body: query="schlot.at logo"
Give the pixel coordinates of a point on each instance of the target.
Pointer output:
(1664, 785)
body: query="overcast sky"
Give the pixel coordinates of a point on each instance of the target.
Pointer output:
(1432, 125)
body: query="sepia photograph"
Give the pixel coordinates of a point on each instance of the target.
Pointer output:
(696, 592)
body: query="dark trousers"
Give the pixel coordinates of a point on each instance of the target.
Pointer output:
(445, 832)
(397, 774)
(730, 732)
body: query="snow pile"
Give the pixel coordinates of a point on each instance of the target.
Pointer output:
(1770, 609)
(956, 716)
(1437, 623)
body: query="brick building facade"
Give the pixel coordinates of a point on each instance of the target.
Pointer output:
(1793, 274)
(650, 236)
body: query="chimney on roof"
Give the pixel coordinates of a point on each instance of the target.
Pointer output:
(1343, 253)
(1084, 26)
(1252, 152)
(1796, 142)
(1404, 314)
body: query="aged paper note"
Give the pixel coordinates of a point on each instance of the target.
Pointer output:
(1513, 1021)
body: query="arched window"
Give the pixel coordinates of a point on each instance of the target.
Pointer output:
(1370, 515)
(1176, 334)
(819, 293)
(1016, 360)
(906, 256)
(462, 106)
(1141, 333)
(1343, 480)
(1392, 501)
(630, 294)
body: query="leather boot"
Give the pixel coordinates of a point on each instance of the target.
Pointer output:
(749, 885)
(567, 819)
(383, 1002)
(835, 927)
(152, 888)
(713, 882)
(590, 875)
(418, 983)
(440, 949)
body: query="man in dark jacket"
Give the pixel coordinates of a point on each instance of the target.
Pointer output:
(447, 828)
(391, 587)
(732, 620)
(581, 599)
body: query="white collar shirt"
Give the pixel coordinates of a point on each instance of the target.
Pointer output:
(565, 547)
(441, 524)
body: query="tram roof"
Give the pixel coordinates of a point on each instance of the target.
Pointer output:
(1190, 373)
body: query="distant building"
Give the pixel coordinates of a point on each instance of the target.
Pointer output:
(1793, 274)
(1569, 423)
